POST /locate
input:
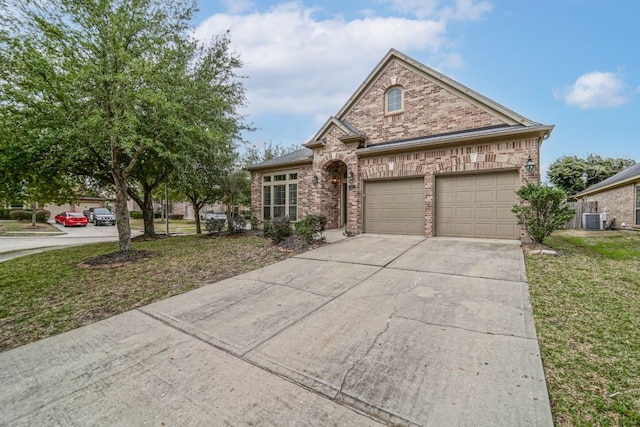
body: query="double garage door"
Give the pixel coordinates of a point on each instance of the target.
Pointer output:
(476, 205)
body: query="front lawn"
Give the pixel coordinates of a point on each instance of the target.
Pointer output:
(586, 304)
(176, 226)
(48, 293)
(13, 228)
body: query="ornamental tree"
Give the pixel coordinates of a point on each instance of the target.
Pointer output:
(542, 210)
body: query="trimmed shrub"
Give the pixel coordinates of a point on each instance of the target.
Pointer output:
(237, 224)
(136, 214)
(42, 215)
(176, 216)
(20, 215)
(214, 226)
(278, 228)
(311, 226)
(255, 222)
(542, 210)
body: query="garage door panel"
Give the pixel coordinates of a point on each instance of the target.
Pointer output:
(504, 214)
(505, 196)
(477, 205)
(485, 196)
(394, 206)
(507, 180)
(463, 213)
(487, 213)
(464, 196)
(463, 228)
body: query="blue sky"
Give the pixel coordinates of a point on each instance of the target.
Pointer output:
(570, 63)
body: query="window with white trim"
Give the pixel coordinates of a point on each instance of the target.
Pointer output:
(638, 205)
(280, 195)
(394, 100)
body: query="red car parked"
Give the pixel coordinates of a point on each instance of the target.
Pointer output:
(71, 218)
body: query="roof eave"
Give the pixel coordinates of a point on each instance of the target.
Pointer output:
(541, 131)
(280, 165)
(353, 138)
(611, 186)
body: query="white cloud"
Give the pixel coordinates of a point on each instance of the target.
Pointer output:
(298, 63)
(462, 10)
(596, 90)
(238, 6)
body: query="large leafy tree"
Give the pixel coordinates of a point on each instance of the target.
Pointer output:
(574, 174)
(119, 83)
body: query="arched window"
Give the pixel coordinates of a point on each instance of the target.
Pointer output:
(394, 100)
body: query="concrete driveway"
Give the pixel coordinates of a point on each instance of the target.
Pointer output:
(370, 330)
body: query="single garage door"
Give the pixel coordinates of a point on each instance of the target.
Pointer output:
(394, 206)
(477, 205)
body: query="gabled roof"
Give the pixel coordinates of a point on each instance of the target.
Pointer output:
(627, 175)
(492, 107)
(301, 156)
(350, 131)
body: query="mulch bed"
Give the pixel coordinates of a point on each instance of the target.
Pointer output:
(116, 259)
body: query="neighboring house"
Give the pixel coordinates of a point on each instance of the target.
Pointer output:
(617, 196)
(411, 152)
(81, 204)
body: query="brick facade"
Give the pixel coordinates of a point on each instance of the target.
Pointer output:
(618, 203)
(431, 108)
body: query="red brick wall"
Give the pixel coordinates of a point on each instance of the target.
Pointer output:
(429, 109)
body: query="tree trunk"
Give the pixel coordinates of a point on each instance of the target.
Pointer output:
(122, 214)
(34, 208)
(196, 212)
(147, 211)
(148, 215)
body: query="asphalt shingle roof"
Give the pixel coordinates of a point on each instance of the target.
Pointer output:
(633, 171)
(297, 156)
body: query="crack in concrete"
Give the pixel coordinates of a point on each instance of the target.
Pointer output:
(465, 329)
(373, 343)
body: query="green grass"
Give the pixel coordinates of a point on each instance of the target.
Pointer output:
(586, 303)
(176, 226)
(22, 229)
(48, 293)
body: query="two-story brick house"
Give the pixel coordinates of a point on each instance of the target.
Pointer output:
(411, 152)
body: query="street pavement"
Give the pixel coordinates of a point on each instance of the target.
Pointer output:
(13, 247)
(370, 330)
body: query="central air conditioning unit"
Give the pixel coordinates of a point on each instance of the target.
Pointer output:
(594, 221)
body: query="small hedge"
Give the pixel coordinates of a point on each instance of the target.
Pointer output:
(277, 229)
(138, 215)
(176, 216)
(310, 227)
(42, 215)
(20, 215)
